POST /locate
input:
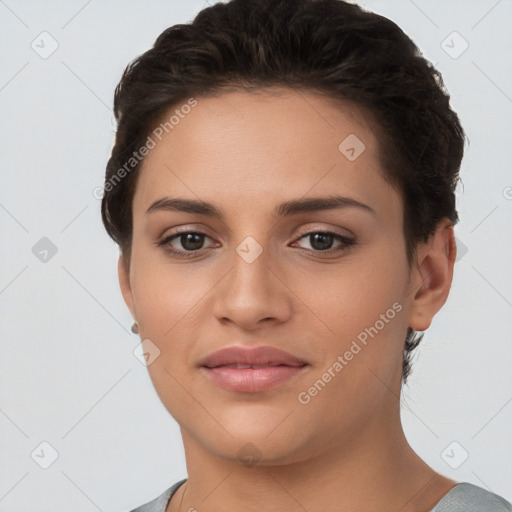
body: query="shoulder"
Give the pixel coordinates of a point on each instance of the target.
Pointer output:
(466, 497)
(159, 504)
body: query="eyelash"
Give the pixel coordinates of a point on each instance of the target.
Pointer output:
(165, 242)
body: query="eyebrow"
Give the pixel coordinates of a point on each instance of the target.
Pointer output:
(287, 208)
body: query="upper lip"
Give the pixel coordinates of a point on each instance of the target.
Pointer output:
(262, 355)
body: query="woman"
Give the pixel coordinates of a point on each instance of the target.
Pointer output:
(282, 191)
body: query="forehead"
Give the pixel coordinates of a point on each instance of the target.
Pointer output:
(262, 146)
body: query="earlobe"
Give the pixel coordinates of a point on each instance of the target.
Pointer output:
(434, 273)
(124, 283)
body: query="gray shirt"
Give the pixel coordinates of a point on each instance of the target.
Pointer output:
(464, 497)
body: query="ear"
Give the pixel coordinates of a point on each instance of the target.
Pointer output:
(432, 277)
(124, 282)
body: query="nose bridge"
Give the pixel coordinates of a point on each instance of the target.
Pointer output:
(251, 272)
(251, 291)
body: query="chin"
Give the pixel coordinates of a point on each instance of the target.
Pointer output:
(260, 451)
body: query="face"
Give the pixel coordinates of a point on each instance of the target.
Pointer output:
(327, 284)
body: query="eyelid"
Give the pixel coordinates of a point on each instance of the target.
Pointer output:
(346, 242)
(179, 230)
(335, 230)
(165, 241)
(302, 231)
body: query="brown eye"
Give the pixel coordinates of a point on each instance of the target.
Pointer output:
(185, 243)
(322, 241)
(191, 241)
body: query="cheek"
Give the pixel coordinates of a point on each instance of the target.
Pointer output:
(169, 305)
(349, 297)
(163, 290)
(360, 316)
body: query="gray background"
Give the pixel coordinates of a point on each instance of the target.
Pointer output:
(68, 374)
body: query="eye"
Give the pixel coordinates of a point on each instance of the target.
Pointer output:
(190, 241)
(322, 241)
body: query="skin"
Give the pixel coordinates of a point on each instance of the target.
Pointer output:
(345, 449)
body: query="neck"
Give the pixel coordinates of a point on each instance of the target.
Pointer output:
(376, 469)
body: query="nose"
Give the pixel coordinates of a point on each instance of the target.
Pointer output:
(253, 294)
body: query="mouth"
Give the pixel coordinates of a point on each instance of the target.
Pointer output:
(253, 366)
(251, 378)
(251, 369)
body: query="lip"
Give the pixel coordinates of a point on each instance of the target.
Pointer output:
(262, 355)
(251, 370)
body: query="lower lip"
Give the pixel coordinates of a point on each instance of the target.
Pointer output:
(252, 380)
